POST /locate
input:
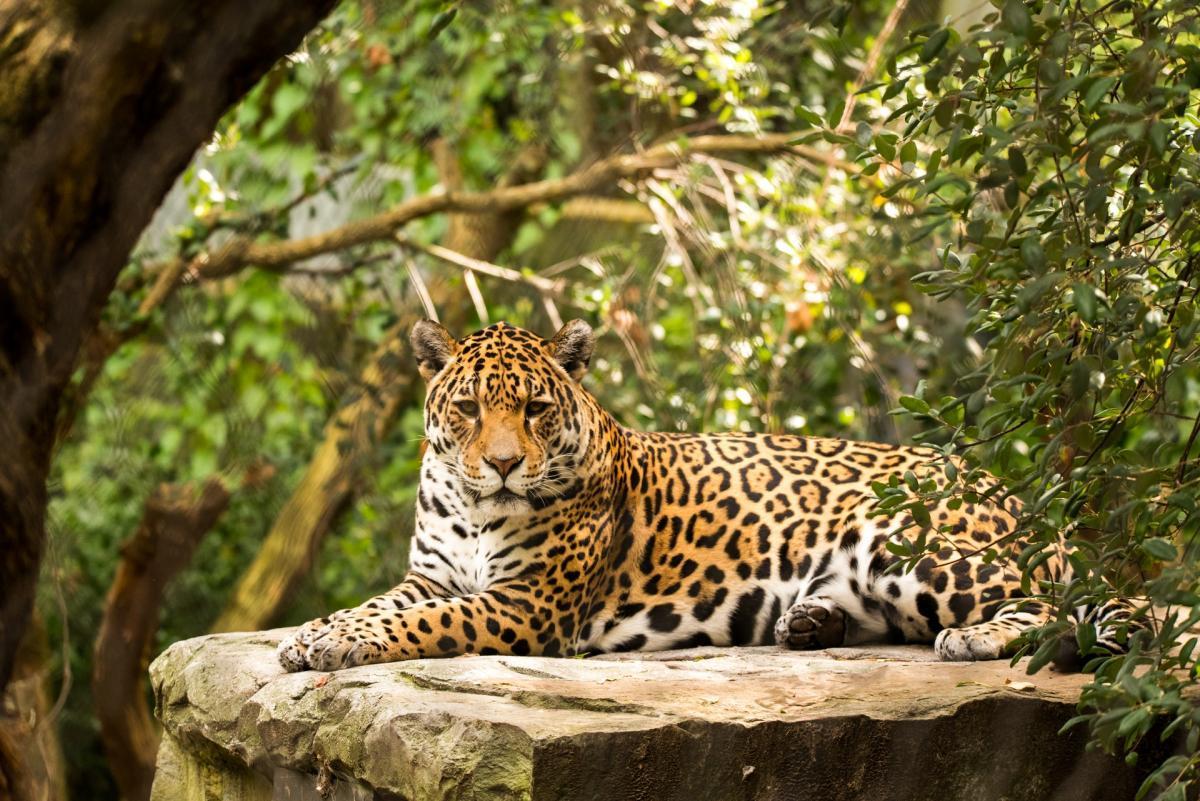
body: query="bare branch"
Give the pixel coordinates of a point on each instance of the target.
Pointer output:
(607, 209)
(240, 251)
(472, 285)
(556, 320)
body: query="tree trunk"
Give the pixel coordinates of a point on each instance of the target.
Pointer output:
(101, 107)
(28, 731)
(173, 522)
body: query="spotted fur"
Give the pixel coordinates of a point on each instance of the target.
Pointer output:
(545, 527)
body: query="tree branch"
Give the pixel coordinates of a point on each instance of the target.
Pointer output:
(868, 70)
(241, 252)
(607, 209)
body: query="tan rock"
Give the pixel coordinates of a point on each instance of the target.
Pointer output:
(748, 723)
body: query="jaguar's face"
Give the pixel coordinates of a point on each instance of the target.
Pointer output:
(503, 414)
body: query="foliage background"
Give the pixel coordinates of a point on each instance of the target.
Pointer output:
(986, 224)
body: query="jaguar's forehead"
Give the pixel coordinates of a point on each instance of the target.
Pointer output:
(504, 363)
(502, 340)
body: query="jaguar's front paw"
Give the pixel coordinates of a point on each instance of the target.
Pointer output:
(293, 650)
(343, 644)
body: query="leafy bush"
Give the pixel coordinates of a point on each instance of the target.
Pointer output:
(1052, 152)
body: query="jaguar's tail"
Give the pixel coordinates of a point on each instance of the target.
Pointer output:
(1112, 624)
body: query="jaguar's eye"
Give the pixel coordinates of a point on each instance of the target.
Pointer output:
(468, 407)
(534, 408)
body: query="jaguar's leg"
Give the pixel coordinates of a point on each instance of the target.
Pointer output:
(812, 622)
(990, 639)
(834, 606)
(413, 589)
(512, 618)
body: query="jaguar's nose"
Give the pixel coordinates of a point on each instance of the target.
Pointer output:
(504, 465)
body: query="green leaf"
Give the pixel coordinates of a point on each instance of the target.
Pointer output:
(935, 44)
(1042, 656)
(1158, 137)
(1134, 720)
(934, 163)
(1012, 194)
(809, 116)
(1160, 549)
(895, 87)
(1085, 301)
(1032, 253)
(862, 133)
(1097, 91)
(1085, 636)
(841, 14)
(914, 405)
(441, 22)
(1063, 88)
(1016, 161)
(885, 143)
(944, 112)
(1015, 18)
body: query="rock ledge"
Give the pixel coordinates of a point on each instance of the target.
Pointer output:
(747, 723)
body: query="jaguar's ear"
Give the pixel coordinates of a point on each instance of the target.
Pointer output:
(433, 346)
(572, 347)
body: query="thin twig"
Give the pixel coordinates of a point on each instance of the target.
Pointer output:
(551, 308)
(1187, 450)
(868, 70)
(422, 291)
(483, 267)
(472, 285)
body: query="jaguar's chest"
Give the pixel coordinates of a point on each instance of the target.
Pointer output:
(463, 547)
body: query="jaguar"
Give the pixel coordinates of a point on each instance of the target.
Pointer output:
(545, 527)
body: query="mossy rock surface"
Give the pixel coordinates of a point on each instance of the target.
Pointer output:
(747, 723)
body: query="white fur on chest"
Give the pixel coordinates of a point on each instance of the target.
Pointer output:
(452, 545)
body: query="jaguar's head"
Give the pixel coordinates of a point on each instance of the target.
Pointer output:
(505, 415)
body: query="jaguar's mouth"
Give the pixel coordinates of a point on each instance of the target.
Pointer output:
(506, 496)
